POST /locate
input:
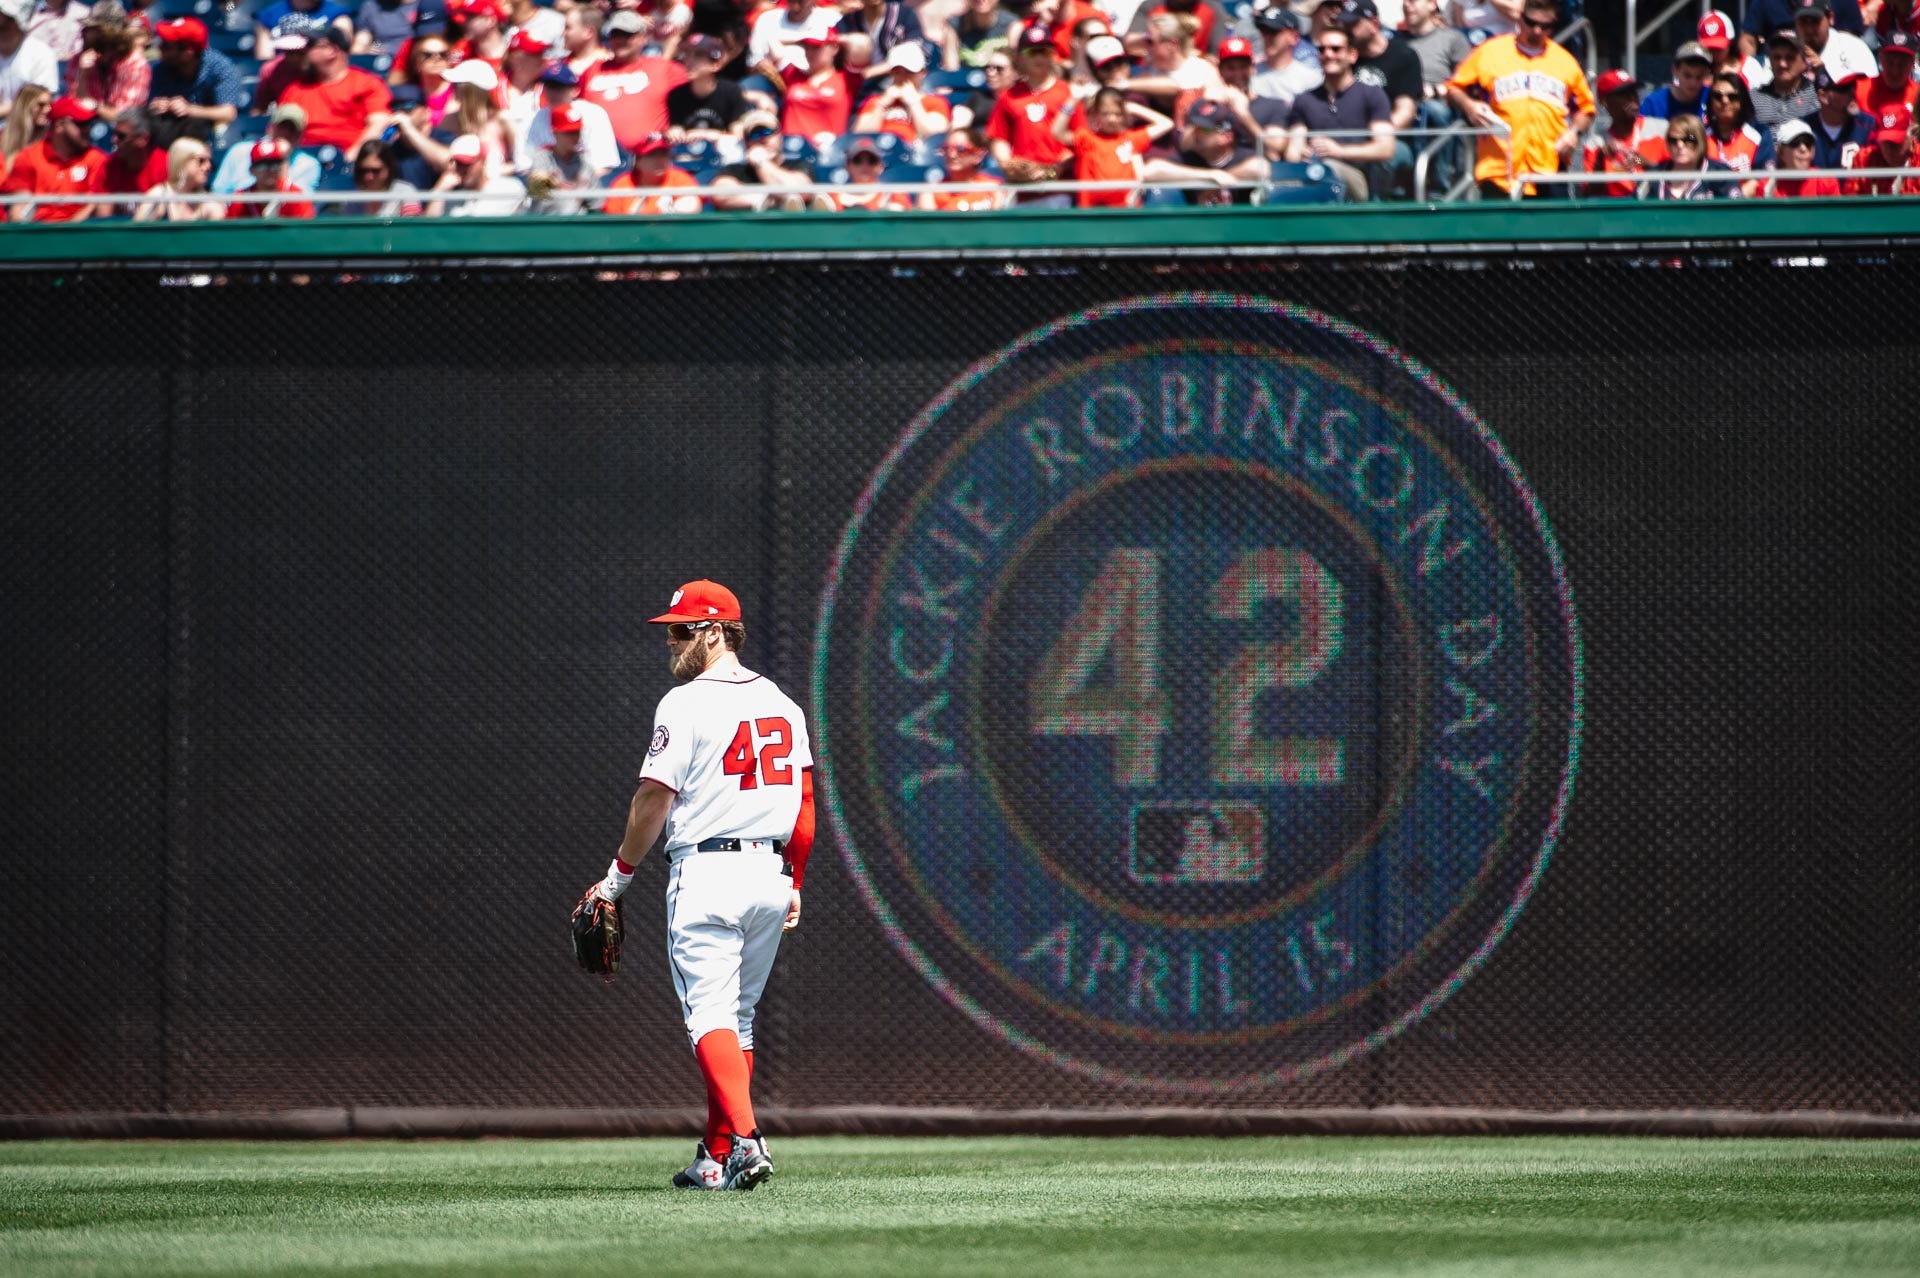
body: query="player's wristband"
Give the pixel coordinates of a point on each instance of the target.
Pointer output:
(615, 883)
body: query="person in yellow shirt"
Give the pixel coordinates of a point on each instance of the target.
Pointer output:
(1534, 97)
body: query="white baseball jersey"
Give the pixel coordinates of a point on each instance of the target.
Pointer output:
(731, 748)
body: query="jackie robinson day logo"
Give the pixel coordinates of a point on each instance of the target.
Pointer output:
(1198, 688)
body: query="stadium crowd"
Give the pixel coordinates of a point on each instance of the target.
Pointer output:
(491, 107)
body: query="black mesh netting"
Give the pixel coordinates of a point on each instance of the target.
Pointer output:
(1169, 754)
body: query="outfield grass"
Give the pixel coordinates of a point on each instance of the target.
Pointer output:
(1106, 1208)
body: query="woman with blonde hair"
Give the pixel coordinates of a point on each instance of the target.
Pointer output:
(1173, 68)
(112, 68)
(189, 165)
(1695, 176)
(26, 124)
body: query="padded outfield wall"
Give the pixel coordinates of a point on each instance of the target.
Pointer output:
(1252, 671)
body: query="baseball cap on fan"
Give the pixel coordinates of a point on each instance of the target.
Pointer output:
(1715, 31)
(700, 600)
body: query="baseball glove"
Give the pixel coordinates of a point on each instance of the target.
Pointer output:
(599, 925)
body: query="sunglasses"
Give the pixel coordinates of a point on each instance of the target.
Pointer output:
(681, 631)
(1532, 25)
(1724, 97)
(433, 55)
(1331, 48)
(370, 170)
(1680, 140)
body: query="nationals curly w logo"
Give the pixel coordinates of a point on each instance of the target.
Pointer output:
(1199, 689)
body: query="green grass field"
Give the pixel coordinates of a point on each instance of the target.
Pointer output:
(1059, 1207)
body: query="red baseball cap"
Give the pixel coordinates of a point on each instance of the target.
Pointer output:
(1235, 47)
(1894, 123)
(566, 119)
(1611, 82)
(268, 150)
(651, 143)
(82, 109)
(701, 600)
(486, 8)
(183, 31)
(1715, 30)
(525, 41)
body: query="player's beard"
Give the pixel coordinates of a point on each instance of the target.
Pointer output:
(688, 662)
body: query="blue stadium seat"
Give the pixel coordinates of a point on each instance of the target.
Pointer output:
(699, 158)
(962, 82)
(231, 43)
(378, 63)
(758, 83)
(1309, 183)
(1161, 197)
(244, 128)
(796, 150)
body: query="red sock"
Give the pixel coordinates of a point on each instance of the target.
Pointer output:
(725, 1068)
(719, 1140)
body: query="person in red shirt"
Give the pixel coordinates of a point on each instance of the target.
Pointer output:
(484, 39)
(866, 167)
(1794, 146)
(652, 170)
(1614, 150)
(135, 165)
(1732, 136)
(1110, 147)
(345, 106)
(820, 98)
(1895, 83)
(61, 163)
(270, 156)
(1021, 126)
(1892, 149)
(903, 108)
(629, 86)
(963, 152)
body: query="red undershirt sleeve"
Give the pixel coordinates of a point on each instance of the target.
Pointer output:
(800, 844)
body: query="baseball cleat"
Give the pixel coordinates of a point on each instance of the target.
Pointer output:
(704, 1172)
(748, 1164)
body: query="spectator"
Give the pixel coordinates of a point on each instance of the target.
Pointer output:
(112, 69)
(1697, 177)
(23, 59)
(501, 194)
(979, 31)
(888, 24)
(383, 26)
(977, 107)
(376, 174)
(1173, 69)
(1844, 55)
(582, 39)
(1282, 76)
(57, 24)
(1265, 125)
(189, 165)
(194, 89)
(1715, 34)
(1687, 95)
(1205, 18)
(1895, 84)
(1062, 19)
(904, 108)
(562, 88)
(1794, 143)
(428, 60)
(1111, 146)
(1838, 133)
(1788, 93)
(776, 44)
(562, 167)
(1439, 48)
(758, 176)
(134, 165)
(964, 151)
(63, 162)
(1021, 127)
(521, 93)
(26, 124)
(288, 123)
(1111, 68)
(268, 162)
(1892, 148)
(1341, 103)
(548, 27)
(1613, 150)
(1210, 151)
(1732, 137)
(819, 96)
(1393, 68)
(1484, 18)
(866, 167)
(630, 85)
(1764, 16)
(1532, 93)
(653, 170)
(288, 65)
(476, 112)
(418, 148)
(706, 106)
(274, 19)
(1079, 67)
(345, 106)
(483, 35)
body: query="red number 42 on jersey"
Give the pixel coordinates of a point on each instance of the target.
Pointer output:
(777, 737)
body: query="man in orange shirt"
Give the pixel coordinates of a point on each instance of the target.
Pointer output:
(345, 106)
(1531, 93)
(653, 169)
(1895, 85)
(63, 162)
(1021, 126)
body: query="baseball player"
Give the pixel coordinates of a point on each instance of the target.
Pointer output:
(729, 778)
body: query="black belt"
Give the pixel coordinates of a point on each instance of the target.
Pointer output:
(734, 845)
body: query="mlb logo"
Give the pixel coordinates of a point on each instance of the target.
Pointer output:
(1200, 842)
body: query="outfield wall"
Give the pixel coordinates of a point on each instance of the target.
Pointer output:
(1255, 671)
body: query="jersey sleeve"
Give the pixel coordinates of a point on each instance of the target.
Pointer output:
(670, 752)
(1466, 76)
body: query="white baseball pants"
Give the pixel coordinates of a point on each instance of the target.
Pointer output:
(724, 913)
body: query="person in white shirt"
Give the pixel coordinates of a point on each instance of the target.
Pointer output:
(778, 33)
(562, 87)
(23, 59)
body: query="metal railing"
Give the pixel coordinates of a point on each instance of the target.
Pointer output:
(1732, 177)
(1636, 37)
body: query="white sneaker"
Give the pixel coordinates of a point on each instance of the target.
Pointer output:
(704, 1172)
(748, 1164)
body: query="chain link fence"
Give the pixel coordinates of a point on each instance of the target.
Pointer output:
(1242, 683)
